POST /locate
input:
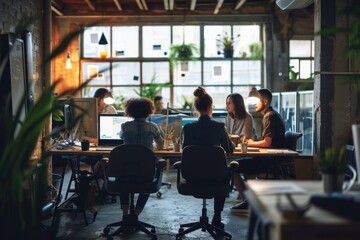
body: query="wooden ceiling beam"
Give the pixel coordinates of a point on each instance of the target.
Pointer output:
(57, 11)
(192, 5)
(171, 4)
(90, 4)
(166, 5)
(218, 6)
(117, 3)
(144, 4)
(239, 3)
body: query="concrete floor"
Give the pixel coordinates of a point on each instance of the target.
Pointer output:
(166, 213)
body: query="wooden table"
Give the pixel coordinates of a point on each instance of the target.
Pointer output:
(260, 152)
(75, 151)
(317, 224)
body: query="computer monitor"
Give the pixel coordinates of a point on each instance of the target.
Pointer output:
(81, 116)
(174, 123)
(186, 120)
(109, 129)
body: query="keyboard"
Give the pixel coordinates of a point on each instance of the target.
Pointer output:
(105, 148)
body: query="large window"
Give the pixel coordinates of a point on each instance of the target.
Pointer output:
(138, 56)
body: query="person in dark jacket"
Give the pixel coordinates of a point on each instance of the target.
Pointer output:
(207, 132)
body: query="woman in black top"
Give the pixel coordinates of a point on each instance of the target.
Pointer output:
(207, 132)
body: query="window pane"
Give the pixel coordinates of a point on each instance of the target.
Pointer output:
(300, 48)
(125, 92)
(288, 106)
(305, 66)
(243, 37)
(98, 70)
(187, 73)
(92, 36)
(126, 73)
(306, 121)
(187, 34)
(156, 41)
(211, 40)
(247, 72)
(159, 70)
(216, 72)
(125, 41)
(219, 95)
(182, 94)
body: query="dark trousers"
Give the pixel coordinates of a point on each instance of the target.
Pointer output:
(140, 203)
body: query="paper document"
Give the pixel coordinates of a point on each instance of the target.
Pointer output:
(264, 188)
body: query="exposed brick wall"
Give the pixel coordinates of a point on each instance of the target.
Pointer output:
(11, 12)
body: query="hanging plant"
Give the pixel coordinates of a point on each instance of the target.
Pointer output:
(182, 53)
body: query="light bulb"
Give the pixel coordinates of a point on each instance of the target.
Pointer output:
(68, 64)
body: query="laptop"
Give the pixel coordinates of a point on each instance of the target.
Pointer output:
(109, 127)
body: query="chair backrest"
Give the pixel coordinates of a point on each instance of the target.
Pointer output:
(204, 163)
(349, 158)
(133, 162)
(291, 139)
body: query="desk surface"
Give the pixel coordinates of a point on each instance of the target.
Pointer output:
(75, 150)
(316, 224)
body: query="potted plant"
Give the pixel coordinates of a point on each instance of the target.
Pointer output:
(182, 53)
(152, 89)
(226, 43)
(24, 182)
(255, 51)
(332, 166)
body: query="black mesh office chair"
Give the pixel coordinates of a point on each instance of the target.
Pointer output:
(203, 173)
(133, 168)
(285, 166)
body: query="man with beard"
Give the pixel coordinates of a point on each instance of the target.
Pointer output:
(272, 136)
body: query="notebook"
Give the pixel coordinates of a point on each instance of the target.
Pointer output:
(109, 127)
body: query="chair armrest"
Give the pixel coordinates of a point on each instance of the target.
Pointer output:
(160, 164)
(233, 165)
(177, 165)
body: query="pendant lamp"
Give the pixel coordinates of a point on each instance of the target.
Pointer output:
(68, 64)
(253, 97)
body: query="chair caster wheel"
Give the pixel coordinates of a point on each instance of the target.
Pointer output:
(228, 238)
(153, 230)
(158, 194)
(181, 230)
(178, 238)
(169, 186)
(106, 231)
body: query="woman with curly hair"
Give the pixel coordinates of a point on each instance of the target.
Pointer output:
(139, 131)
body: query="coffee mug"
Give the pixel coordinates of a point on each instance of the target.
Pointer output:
(85, 145)
(177, 147)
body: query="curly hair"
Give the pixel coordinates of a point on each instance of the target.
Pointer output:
(238, 100)
(139, 107)
(203, 101)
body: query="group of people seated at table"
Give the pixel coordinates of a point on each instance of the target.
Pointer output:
(209, 132)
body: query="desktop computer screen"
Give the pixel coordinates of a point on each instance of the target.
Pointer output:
(109, 129)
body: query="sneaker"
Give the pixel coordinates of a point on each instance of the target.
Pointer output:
(240, 208)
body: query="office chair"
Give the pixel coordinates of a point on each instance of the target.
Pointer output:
(132, 168)
(285, 166)
(203, 173)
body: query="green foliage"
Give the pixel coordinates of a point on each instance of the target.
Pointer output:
(333, 162)
(188, 102)
(182, 53)
(293, 75)
(255, 51)
(119, 102)
(152, 89)
(23, 182)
